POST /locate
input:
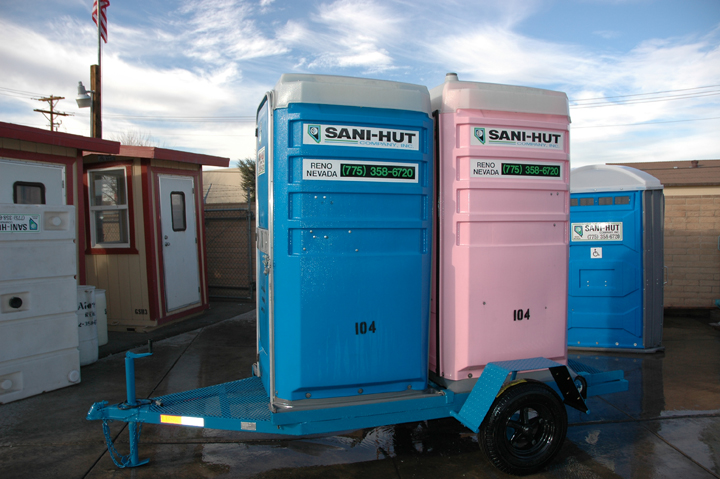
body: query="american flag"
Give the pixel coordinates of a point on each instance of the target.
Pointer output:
(103, 14)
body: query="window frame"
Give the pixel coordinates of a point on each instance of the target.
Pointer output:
(184, 211)
(29, 184)
(93, 247)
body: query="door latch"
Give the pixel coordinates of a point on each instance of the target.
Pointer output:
(266, 264)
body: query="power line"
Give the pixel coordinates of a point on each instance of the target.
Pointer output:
(645, 94)
(191, 119)
(646, 123)
(19, 93)
(649, 100)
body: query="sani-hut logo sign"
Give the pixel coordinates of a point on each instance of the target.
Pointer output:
(597, 231)
(480, 135)
(12, 223)
(546, 140)
(363, 137)
(314, 132)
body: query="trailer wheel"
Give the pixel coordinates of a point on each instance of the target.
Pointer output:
(524, 428)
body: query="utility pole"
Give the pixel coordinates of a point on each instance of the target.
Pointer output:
(52, 101)
(95, 111)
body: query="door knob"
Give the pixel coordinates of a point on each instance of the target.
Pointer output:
(167, 243)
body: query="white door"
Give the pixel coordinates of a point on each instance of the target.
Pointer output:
(179, 242)
(28, 182)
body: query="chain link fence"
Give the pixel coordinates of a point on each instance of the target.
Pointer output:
(230, 236)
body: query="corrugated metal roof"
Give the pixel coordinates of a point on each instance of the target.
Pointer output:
(681, 173)
(223, 186)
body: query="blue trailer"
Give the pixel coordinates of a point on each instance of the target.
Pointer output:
(346, 183)
(516, 407)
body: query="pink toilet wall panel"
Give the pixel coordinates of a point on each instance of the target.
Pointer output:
(503, 246)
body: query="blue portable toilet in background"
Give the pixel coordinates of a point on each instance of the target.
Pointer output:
(615, 296)
(344, 208)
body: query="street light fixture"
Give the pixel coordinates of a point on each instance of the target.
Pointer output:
(83, 99)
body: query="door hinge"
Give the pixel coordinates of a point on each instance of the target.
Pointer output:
(195, 240)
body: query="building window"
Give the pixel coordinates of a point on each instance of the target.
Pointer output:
(28, 193)
(177, 206)
(109, 217)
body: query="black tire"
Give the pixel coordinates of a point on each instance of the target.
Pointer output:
(524, 429)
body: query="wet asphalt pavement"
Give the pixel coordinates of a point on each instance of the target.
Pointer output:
(667, 425)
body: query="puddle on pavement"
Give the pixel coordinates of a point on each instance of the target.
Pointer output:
(443, 437)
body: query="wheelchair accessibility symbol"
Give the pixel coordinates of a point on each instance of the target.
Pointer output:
(596, 253)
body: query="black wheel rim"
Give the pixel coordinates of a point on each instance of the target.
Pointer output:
(529, 431)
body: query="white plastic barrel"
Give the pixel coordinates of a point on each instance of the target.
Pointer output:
(87, 325)
(101, 314)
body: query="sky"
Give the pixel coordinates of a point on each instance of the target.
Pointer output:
(642, 76)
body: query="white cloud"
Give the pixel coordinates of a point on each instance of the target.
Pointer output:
(216, 58)
(37, 61)
(499, 55)
(495, 54)
(356, 35)
(222, 30)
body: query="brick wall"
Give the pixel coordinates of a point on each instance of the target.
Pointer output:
(692, 227)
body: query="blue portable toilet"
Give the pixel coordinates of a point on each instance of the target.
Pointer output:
(344, 211)
(615, 295)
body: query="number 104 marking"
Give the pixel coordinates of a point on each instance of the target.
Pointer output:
(363, 328)
(519, 314)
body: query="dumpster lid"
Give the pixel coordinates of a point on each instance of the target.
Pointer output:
(589, 179)
(453, 95)
(350, 91)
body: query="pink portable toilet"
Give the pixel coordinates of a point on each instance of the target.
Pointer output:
(501, 268)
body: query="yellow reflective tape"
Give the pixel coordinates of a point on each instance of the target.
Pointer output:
(183, 420)
(170, 419)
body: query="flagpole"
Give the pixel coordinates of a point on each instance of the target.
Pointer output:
(95, 80)
(99, 25)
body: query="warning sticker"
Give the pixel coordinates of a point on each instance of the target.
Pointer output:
(248, 426)
(597, 231)
(261, 161)
(19, 223)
